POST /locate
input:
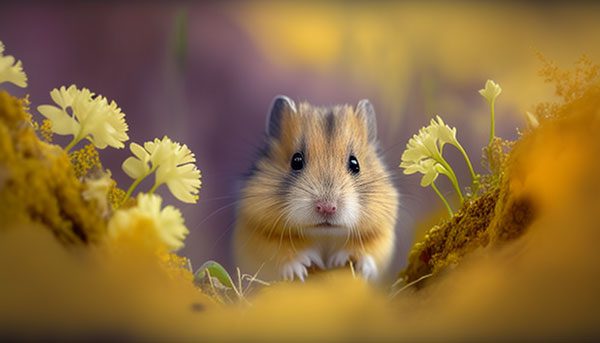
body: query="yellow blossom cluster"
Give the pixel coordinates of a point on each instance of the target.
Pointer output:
(424, 150)
(80, 113)
(423, 154)
(85, 115)
(166, 223)
(46, 130)
(173, 163)
(85, 160)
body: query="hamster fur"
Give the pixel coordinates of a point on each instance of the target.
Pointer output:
(317, 196)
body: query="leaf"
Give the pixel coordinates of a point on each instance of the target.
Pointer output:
(214, 269)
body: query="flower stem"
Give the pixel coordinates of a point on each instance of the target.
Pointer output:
(133, 186)
(452, 176)
(73, 142)
(437, 191)
(153, 188)
(466, 157)
(493, 124)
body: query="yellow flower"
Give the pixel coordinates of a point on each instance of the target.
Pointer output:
(429, 142)
(91, 116)
(421, 146)
(423, 154)
(491, 91)
(173, 163)
(10, 71)
(166, 224)
(425, 167)
(444, 133)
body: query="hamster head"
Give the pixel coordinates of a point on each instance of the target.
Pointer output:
(320, 172)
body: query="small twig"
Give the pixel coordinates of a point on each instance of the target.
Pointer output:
(235, 289)
(409, 285)
(397, 283)
(253, 278)
(239, 276)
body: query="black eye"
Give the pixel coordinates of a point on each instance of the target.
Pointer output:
(297, 161)
(353, 165)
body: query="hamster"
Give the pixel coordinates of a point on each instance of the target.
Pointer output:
(317, 196)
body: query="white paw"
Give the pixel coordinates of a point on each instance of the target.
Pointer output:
(366, 267)
(293, 270)
(339, 259)
(297, 268)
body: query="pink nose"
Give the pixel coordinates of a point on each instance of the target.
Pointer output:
(325, 207)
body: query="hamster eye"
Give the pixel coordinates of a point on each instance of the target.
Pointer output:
(353, 165)
(297, 161)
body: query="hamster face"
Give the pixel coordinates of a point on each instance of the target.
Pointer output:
(320, 172)
(324, 150)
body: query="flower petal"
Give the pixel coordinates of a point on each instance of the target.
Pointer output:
(139, 152)
(166, 224)
(429, 178)
(135, 168)
(11, 71)
(491, 91)
(174, 166)
(62, 123)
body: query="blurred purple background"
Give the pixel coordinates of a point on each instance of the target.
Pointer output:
(197, 73)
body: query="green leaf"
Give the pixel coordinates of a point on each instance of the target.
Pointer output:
(214, 269)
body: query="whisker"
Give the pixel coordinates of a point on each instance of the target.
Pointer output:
(215, 212)
(221, 236)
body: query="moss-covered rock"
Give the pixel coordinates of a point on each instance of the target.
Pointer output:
(38, 183)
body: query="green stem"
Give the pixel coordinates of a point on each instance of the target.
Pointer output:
(437, 191)
(453, 179)
(493, 125)
(73, 142)
(466, 157)
(131, 188)
(153, 188)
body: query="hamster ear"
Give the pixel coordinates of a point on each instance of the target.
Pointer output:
(280, 106)
(365, 110)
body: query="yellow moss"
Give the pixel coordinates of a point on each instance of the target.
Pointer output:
(176, 266)
(37, 182)
(116, 196)
(494, 159)
(569, 84)
(513, 214)
(85, 161)
(446, 243)
(46, 130)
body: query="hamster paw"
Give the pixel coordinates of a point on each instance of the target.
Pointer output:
(294, 269)
(297, 268)
(366, 267)
(339, 259)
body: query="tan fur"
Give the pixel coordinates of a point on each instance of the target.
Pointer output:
(265, 236)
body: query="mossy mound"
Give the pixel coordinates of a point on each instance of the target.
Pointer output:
(38, 184)
(446, 243)
(521, 182)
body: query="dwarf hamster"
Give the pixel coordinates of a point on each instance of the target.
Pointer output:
(317, 196)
